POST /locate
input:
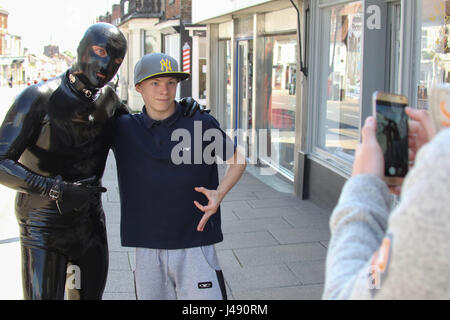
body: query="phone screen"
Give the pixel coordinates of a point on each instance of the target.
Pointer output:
(392, 135)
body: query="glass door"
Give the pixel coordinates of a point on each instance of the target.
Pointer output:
(394, 29)
(244, 120)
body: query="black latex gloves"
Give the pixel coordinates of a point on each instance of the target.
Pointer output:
(191, 106)
(77, 196)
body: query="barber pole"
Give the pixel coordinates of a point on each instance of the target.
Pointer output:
(186, 58)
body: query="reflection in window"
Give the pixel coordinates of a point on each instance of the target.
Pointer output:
(224, 90)
(339, 115)
(279, 96)
(149, 41)
(202, 78)
(435, 53)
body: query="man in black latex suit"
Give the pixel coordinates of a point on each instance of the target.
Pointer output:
(54, 143)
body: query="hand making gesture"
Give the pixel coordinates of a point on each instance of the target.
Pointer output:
(214, 200)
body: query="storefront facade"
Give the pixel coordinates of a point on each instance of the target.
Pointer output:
(305, 123)
(251, 80)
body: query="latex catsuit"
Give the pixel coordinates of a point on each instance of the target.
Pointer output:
(61, 128)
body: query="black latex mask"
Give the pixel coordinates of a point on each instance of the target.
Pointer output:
(100, 53)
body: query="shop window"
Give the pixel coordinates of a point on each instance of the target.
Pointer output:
(339, 79)
(279, 90)
(435, 50)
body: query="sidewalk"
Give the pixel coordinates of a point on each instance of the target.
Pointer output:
(274, 244)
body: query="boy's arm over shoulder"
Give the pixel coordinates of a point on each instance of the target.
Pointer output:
(111, 98)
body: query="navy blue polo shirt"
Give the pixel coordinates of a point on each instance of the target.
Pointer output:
(158, 164)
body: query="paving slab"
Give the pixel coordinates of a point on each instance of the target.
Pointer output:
(309, 272)
(251, 213)
(270, 255)
(263, 224)
(120, 281)
(300, 235)
(239, 195)
(308, 219)
(118, 260)
(259, 277)
(228, 258)
(285, 201)
(312, 292)
(119, 296)
(247, 239)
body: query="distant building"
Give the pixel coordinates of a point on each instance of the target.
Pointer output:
(116, 14)
(41, 67)
(137, 22)
(106, 18)
(161, 26)
(3, 29)
(51, 51)
(187, 44)
(11, 54)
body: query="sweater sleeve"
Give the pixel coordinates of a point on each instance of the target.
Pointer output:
(358, 224)
(416, 258)
(420, 229)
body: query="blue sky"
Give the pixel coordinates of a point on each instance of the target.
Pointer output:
(53, 21)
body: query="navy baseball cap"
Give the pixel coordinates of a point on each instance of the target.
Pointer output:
(157, 65)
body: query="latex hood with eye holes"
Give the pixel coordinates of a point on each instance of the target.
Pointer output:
(97, 70)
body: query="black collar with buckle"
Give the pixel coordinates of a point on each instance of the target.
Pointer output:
(80, 87)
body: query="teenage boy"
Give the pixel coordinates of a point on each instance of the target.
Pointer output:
(169, 189)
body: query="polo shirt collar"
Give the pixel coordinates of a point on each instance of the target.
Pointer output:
(150, 123)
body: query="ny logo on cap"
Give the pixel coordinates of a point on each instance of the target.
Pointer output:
(165, 63)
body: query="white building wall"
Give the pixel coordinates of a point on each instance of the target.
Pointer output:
(133, 32)
(207, 9)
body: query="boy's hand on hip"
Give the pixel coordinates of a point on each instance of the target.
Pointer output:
(214, 200)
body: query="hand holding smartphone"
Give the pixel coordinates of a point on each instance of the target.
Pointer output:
(392, 134)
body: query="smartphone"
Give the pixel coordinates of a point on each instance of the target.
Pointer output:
(392, 134)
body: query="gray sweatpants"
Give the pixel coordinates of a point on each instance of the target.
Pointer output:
(183, 274)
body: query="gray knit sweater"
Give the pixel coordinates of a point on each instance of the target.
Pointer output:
(414, 260)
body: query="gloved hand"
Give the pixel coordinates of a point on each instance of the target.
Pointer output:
(191, 106)
(76, 196)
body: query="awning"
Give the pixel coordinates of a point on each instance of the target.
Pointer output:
(168, 26)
